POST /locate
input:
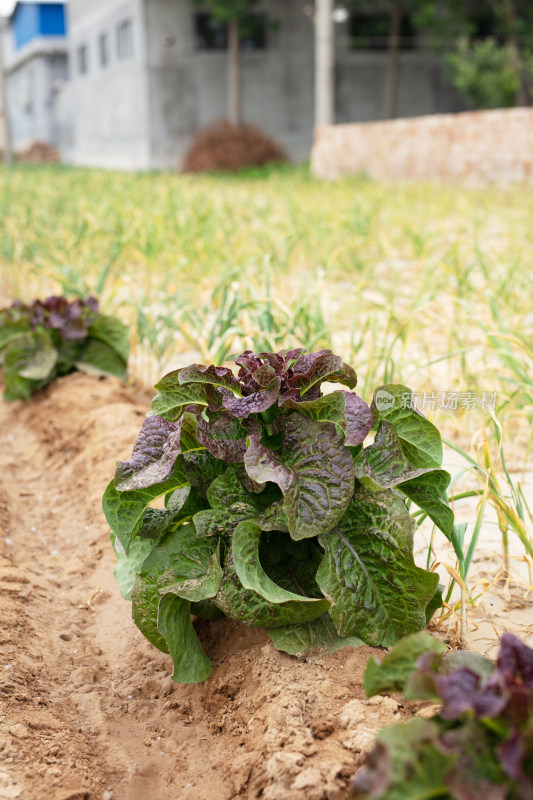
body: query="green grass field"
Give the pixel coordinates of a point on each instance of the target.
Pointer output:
(419, 284)
(422, 285)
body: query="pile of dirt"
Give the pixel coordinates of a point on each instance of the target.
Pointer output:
(38, 153)
(224, 147)
(88, 707)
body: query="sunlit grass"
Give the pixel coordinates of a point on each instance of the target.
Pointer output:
(428, 286)
(425, 285)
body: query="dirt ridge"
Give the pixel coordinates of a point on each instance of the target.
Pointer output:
(88, 707)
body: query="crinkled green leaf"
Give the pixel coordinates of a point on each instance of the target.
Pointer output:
(384, 464)
(245, 544)
(17, 388)
(124, 511)
(31, 356)
(314, 471)
(171, 402)
(179, 563)
(10, 329)
(316, 638)
(346, 410)
(369, 574)
(249, 607)
(464, 659)
(112, 332)
(177, 498)
(274, 518)
(435, 603)
(191, 665)
(98, 358)
(428, 491)
(391, 673)
(157, 523)
(180, 558)
(406, 764)
(201, 586)
(128, 566)
(420, 439)
(202, 468)
(227, 489)
(154, 454)
(145, 599)
(206, 609)
(222, 522)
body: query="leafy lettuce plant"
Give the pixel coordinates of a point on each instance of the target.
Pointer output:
(49, 338)
(480, 744)
(275, 513)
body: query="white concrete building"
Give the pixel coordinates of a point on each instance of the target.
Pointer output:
(35, 59)
(146, 74)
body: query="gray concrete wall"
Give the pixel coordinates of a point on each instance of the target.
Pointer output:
(35, 74)
(143, 112)
(188, 88)
(111, 120)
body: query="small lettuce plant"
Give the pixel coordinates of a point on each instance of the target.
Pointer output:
(479, 744)
(276, 511)
(49, 338)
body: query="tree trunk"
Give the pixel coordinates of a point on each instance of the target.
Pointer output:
(391, 92)
(324, 63)
(234, 74)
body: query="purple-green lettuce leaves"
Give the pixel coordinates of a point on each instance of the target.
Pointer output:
(275, 513)
(49, 338)
(480, 744)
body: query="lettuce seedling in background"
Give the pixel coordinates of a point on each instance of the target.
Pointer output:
(49, 338)
(276, 514)
(480, 744)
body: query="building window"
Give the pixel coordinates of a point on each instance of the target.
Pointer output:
(83, 59)
(103, 48)
(371, 32)
(213, 35)
(124, 39)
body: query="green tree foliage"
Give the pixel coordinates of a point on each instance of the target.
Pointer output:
(227, 10)
(490, 70)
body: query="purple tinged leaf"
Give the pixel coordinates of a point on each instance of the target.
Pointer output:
(513, 754)
(263, 465)
(515, 661)
(391, 674)
(475, 772)
(290, 398)
(153, 457)
(461, 691)
(346, 410)
(248, 362)
(255, 403)
(224, 438)
(265, 376)
(216, 376)
(313, 470)
(358, 419)
(312, 368)
(249, 484)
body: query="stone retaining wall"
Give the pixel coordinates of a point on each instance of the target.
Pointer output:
(477, 148)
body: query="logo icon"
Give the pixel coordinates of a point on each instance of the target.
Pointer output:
(384, 400)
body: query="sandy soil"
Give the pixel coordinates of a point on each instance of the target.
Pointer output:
(87, 707)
